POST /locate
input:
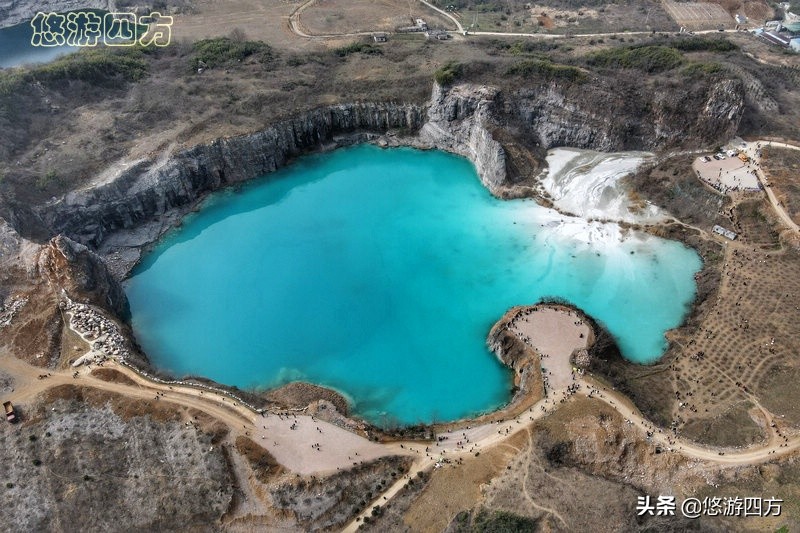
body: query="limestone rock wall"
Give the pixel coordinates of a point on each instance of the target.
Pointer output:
(459, 121)
(147, 190)
(74, 268)
(627, 116)
(131, 208)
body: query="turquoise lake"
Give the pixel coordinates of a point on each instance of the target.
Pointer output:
(16, 49)
(379, 272)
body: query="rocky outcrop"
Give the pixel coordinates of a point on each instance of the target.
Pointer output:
(146, 191)
(123, 212)
(627, 116)
(82, 274)
(145, 199)
(14, 12)
(459, 121)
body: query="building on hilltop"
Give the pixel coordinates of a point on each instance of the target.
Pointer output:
(439, 35)
(728, 234)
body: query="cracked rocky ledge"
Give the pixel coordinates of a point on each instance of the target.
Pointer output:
(101, 230)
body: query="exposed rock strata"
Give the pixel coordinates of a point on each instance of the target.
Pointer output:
(457, 122)
(625, 116)
(126, 211)
(122, 212)
(145, 192)
(73, 268)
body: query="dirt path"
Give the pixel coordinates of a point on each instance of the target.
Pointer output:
(455, 21)
(752, 150)
(338, 449)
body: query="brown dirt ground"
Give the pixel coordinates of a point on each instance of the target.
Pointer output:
(574, 17)
(699, 15)
(264, 465)
(349, 16)
(454, 489)
(782, 168)
(723, 374)
(114, 376)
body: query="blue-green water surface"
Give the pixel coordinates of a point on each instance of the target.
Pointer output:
(379, 273)
(16, 48)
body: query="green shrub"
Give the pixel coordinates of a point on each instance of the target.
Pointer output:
(99, 66)
(495, 521)
(703, 44)
(701, 70)
(547, 70)
(649, 58)
(224, 50)
(448, 73)
(357, 48)
(42, 183)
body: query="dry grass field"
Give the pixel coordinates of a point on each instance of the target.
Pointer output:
(730, 376)
(699, 15)
(732, 371)
(782, 168)
(554, 16)
(266, 20)
(325, 17)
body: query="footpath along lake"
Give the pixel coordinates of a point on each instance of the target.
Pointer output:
(379, 272)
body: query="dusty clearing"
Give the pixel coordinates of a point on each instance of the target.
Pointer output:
(325, 17)
(699, 15)
(782, 168)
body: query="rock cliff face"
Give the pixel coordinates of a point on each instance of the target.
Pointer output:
(132, 208)
(14, 12)
(146, 191)
(74, 268)
(627, 117)
(458, 122)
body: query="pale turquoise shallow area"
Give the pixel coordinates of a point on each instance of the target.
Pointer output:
(379, 273)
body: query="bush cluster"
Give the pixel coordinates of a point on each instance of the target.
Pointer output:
(224, 50)
(648, 58)
(701, 70)
(546, 69)
(703, 44)
(97, 66)
(448, 73)
(357, 48)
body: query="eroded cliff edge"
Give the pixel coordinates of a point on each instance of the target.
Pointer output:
(123, 211)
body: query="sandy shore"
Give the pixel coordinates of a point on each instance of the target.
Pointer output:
(554, 332)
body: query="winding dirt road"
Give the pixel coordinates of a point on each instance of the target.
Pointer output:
(752, 150)
(289, 437)
(296, 26)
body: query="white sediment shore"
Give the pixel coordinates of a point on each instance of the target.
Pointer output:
(589, 184)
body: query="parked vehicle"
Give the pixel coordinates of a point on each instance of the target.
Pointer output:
(11, 416)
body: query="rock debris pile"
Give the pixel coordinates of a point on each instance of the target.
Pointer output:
(7, 312)
(101, 333)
